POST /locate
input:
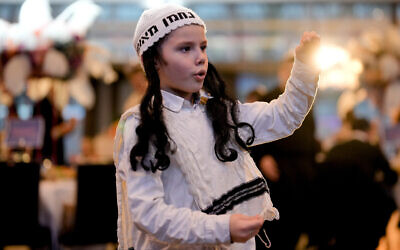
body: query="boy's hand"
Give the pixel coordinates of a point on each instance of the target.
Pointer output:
(308, 47)
(243, 227)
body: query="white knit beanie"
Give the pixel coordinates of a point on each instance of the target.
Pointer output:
(157, 22)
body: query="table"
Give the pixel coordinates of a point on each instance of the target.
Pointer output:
(55, 196)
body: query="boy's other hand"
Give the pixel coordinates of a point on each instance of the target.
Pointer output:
(243, 227)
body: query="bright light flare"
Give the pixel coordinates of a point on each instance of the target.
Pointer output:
(340, 79)
(338, 69)
(329, 56)
(356, 66)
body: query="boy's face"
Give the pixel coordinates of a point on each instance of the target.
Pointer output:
(184, 62)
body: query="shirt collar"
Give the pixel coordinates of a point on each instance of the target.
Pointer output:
(175, 103)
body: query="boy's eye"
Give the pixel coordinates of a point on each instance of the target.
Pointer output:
(185, 49)
(204, 47)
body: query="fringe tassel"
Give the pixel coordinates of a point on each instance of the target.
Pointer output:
(266, 244)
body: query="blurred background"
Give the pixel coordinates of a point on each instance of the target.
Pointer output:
(68, 70)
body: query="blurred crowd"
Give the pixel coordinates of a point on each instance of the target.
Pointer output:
(340, 192)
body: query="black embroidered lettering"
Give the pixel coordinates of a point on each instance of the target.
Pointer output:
(191, 15)
(165, 22)
(141, 41)
(182, 15)
(153, 29)
(149, 33)
(176, 18)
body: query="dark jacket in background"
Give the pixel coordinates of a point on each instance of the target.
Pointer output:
(354, 196)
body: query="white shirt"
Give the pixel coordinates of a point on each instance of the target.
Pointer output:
(162, 210)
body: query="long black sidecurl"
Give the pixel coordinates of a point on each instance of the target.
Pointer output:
(224, 125)
(152, 128)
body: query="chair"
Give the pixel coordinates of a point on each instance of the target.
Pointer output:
(96, 211)
(19, 189)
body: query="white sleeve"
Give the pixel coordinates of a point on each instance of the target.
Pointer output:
(280, 117)
(152, 215)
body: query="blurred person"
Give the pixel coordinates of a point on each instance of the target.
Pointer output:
(288, 165)
(98, 149)
(138, 81)
(391, 138)
(355, 184)
(55, 130)
(394, 134)
(184, 177)
(378, 168)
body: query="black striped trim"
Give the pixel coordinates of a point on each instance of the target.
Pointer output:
(237, 195)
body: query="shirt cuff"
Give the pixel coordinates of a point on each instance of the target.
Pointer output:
(219, 229)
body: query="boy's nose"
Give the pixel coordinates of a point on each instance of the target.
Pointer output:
(201, 58)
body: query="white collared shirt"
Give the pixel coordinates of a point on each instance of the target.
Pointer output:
(157, 210)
